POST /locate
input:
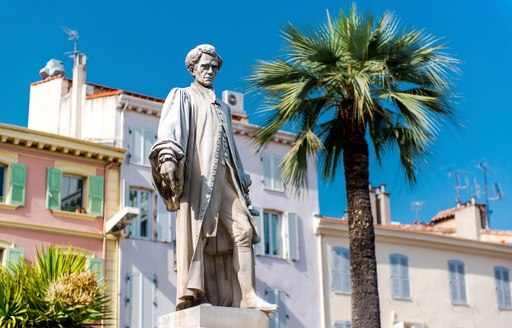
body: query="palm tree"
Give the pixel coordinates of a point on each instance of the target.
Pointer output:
(341, 86)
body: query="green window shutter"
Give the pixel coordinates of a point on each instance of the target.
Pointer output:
(96, 195)
(18, 183)
(95, 265)
(53, 189)
(259, 248)
(13, 256)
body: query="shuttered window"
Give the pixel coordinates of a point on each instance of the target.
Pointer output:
(399, 276)
(340, 270)
(457, 282)
(278, 297)
(272, 173)
(140, 300)
(141, 225)
(67, 193)
(278, 238)
(502, 282)
(141, 140)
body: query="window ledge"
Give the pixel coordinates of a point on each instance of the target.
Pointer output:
(11, 207)
(281, 191)
(339, 292)
(461, 304)
(505, 309)
(403, 299)
(73, 215)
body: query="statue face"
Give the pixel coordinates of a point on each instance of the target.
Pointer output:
(206, 70)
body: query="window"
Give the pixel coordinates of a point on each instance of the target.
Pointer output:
(502, 280)
(340, 270)
(3, 170)
(272, 173)
(342, 324)
(279, 234)
(141, 225)
(276, 296)
(140, 300)
(272, 234)
(11, 255)
(457, 282)
(96, 265)
(72, 193)
(141, 141)
(399, 276)
(13, 183)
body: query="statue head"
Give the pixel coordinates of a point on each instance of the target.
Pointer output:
(203, 63)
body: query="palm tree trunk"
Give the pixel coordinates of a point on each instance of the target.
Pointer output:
(363, 264)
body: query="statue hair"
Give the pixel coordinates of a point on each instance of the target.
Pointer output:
(195, 54)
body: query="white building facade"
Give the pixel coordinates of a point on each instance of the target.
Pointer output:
(286, 262)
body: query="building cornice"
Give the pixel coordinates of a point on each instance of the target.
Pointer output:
(18, 136)
(250, 130)
(390, 235)
(54, 230)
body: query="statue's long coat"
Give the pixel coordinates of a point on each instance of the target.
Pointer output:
(190, 132)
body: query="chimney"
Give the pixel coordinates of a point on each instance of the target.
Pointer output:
(383, 206)
(78, 95)
(468, 221)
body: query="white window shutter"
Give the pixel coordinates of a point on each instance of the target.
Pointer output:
(336, 269)
(395, 284)
(267, 172)
(133, 300)
(259, 248)
(272, 296)
(293, 237)
(277, 173)
(404, 266)
(135, 146)
(164, 220)
(282, 314)
(345, 271)
(149, 139)
(148, 301)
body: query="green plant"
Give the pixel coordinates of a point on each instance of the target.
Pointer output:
(55, 290)
(342, 86)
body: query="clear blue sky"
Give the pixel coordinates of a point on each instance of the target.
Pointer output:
(140, 46)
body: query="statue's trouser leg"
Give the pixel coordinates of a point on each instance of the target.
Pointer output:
(233, 216)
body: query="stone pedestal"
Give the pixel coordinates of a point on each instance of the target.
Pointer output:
(206, 316)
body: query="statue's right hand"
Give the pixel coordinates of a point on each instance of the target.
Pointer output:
(168, 172)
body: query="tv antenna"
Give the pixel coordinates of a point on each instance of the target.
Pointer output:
(72, 36)
(416, 206)
(497, 191)
(458, 185)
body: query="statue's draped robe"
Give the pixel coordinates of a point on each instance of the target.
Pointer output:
(190, 134)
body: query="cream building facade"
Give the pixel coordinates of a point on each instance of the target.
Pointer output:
(452, 274)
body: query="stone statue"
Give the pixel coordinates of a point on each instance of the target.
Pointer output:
(197, 170)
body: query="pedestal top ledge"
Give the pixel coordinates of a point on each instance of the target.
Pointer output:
(206, 316)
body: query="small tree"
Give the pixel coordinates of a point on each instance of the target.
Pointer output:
(56, 290)
(343, 85)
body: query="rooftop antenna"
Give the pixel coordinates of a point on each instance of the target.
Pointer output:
(73, 36)
(416, 206)
(458, 185)
(497, 192)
